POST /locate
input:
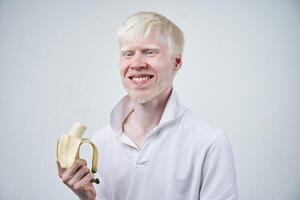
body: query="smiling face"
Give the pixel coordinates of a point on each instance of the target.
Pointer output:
(146, 68)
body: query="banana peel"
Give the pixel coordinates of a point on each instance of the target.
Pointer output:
(68, 148)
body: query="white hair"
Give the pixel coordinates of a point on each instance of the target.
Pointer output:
(140, 25)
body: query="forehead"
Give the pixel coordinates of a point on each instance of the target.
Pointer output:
(155, 40)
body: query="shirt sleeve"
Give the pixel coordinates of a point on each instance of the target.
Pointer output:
(218, 172)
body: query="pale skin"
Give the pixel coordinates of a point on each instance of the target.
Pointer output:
(147, 72)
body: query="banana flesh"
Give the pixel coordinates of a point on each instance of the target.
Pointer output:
(68, 147)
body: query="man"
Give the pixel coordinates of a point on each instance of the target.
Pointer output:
(154, 148)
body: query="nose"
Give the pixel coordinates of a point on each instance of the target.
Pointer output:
(138, 63)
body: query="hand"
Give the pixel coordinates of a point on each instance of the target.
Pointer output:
(78, 178)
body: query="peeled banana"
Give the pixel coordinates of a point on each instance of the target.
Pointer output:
(68, 147)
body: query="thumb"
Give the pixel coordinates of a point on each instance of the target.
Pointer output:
(59, 169)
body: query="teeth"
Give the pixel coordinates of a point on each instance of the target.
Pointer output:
(140, 79)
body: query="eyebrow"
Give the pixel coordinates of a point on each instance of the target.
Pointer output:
(153, 49)
(142, 49)
(126, 51)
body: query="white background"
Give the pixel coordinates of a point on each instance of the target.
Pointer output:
(241, 72)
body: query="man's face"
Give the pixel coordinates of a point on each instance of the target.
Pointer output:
(146, 68)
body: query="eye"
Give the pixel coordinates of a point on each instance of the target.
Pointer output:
(127, 54)
(150, 52)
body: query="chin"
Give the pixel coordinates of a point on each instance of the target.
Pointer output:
(148, 96)
(140, 99)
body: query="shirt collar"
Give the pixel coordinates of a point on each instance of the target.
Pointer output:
(119, 113)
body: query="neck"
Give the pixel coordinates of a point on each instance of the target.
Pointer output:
(147, 116)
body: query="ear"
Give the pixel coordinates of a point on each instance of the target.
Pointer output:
(177, 62)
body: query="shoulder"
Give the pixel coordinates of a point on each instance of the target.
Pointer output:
(202, 132)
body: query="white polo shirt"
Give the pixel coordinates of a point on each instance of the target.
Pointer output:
(183, 158)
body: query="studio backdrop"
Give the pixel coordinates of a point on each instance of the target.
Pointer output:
(241, 73)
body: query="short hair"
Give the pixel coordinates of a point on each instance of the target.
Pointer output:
(141, 24)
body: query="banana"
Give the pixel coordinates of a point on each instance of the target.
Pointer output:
(68, 147)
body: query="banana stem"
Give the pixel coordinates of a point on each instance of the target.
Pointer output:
(95, 180)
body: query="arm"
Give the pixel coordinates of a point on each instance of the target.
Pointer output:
(218, 175)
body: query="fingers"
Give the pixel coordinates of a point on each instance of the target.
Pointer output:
(85, 181)
(68, 174)
(78, 178)
(78, 175)
(59, 169)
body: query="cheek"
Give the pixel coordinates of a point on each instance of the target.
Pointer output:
(166, 72)
(123, 68)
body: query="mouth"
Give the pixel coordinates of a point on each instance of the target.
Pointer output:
(140, 78)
